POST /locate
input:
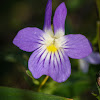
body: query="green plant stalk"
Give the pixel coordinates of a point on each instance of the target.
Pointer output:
(98, 87)
(98, 34)
(98, 7)
(98, 23)
(43, 82)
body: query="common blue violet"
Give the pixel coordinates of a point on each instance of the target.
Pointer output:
(93, 58)
(51, 50)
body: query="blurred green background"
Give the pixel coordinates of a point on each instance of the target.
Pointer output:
(82, 16)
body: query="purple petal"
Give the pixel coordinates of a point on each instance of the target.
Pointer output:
(55, 65)
(77, 46)
(59, 19)
(60, 68)
(93, 58)
(29, 39)
(35, 63)
(84, 65)
(48, 14)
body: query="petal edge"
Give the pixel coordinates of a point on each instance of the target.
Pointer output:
(28, 39)
(59, 19)
(77, 46)
(48, 14)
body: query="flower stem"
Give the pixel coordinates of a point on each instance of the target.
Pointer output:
(43, 82)
(98, 23)
(98, 34)
(98, 7)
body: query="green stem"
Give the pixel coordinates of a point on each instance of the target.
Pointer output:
(98, 22)
(98, 89)
(43, 82)
(98, 34)
(98, 7)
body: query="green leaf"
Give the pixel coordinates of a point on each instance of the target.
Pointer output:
(7, 93)
(98, 97)
(36, 82)
(94, 94)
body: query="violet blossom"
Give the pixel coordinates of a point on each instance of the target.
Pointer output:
(52, 49)
(93, 58)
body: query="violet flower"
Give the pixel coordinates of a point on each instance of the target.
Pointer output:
(93, 58)
(51, 50)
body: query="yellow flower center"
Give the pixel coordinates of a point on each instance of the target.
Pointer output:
(51, 48)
